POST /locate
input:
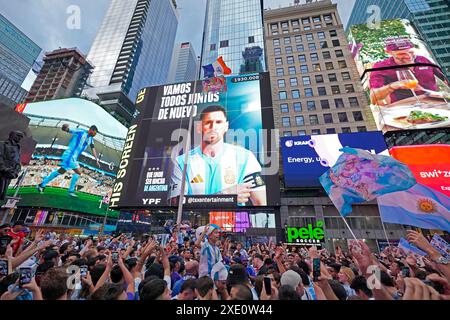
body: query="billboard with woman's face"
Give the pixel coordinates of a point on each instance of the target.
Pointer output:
(406, 87)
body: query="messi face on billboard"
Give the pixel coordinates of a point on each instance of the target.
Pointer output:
(229, 146)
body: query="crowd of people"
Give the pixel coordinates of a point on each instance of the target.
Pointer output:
(201, 264)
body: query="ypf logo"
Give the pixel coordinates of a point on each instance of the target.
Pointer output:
(289, 143)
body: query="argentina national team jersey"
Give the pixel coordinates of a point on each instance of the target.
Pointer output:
(207, 176)
(78, 143)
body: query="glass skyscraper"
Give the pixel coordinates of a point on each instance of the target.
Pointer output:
(184, 64)
(234, 30)
(431, 18)
(132, 50)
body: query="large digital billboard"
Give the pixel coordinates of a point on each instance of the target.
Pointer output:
(73, 166)
(406, 87)
(306, 158)
(430, 164)
(228, 156)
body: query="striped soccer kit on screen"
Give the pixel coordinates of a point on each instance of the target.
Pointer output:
(207, 175)
(78, 143)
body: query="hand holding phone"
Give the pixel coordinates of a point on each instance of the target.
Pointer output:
(316, 269)
(83, 271)
(405, 272)
(268, 286)
(3, 267)
(25, 275)
(115, 257)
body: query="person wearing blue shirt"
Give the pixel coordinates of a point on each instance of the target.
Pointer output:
(80, 140)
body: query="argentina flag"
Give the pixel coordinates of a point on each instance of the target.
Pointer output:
(419, 206)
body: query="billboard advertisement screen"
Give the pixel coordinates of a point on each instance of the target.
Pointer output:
(406, 87)
(430, 164)
(306, 158)
(227, 155)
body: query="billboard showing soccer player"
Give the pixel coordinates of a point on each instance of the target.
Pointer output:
(406, 86)
(228, 156)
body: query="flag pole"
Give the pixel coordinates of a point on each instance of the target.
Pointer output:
(385, 234)
(351, 231)
(186, 155)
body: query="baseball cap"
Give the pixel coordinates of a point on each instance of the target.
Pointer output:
(290, 278)
(396, 44)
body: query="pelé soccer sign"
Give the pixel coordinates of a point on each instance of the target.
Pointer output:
(308, 235)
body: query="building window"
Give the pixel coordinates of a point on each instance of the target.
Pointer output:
(286, 122)
(276, 42)
(275, 33)
(308, 92)
(346, 76)
(293, 82)
(281, 83)
(287, 40)
(324, 44)
(313, 120)
(295, 23)
(278, 61)
(298, 38)
(287, 133)
(326, 55)
(212, 47)
(307, 28)
(312, 46)
(301, 133)
(292, 70)
(357, 115)
(305, 21)
(346, 130)
(310, 37)
(295, 94)
(284, 25)
(251, 39)
(327, 17)
(362, 129)
(311, 105)
(342, 64)
(290, 60)
(306, 80)
(300, 48)
(331, 130)
(284, 108)
(332, 77)
(319, 78)
(288, 50)
(304, 69)
(314, 57)
(353, 102)
(224, 44)
(342, 117)
(328, 118)
(349, 88)
(274, 26)
(280, 72)
(297, 106)
(317, 26)
(339, 103)
(316, 19)
(277, 51)
(333, 33)
(325, 104)
(301, 58)
(322, 91)
(339, 53)
(335, 90)
(321, 35)
(299, 121)
(329, 66)
(316, 67)
(282, 95)
(336, 43)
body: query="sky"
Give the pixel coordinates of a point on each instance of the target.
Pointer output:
(45, 21)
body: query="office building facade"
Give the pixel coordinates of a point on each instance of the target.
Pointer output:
(316, 88)
(234, 30)
(184, 66)
(430, 17)
(63, 75)
(132, 50)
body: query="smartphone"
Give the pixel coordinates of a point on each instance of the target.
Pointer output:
(405, 272)
(25, 275)
(115, 257)
(316, 269)
(4, 242)
(83, 271)
(3, 267)
(268, 285)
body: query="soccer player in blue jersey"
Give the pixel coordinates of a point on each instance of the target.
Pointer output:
(80, 140)
(219, 168)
